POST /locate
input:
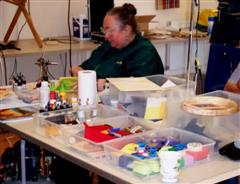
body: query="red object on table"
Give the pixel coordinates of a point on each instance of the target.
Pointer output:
(94, 133)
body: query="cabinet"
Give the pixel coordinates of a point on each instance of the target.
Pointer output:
(173, 52)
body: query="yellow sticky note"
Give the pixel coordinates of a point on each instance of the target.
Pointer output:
(156, 108)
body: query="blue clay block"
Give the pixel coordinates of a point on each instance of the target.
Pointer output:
(125, 161)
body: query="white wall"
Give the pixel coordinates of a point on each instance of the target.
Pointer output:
(50, 19)
(182, 13)
(50, 16)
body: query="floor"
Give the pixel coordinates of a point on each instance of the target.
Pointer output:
(40, 181)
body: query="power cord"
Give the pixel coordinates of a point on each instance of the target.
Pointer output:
(14, 72)
(19, 33)
(69, 33)
(198, 14)
(17, 40)
(198, 73)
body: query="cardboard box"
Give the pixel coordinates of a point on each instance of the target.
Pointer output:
(143, 22)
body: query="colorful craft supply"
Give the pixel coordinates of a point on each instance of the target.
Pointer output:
(141, 147)
(94, 132)
(197, 151)
(180, 146)
(166, 148)
(125, 162)
(154, 165)
(152, 152)
(176, 150)
(114, 130)
(140, 156)
(130, 148)
(141, 169)
(136, 129)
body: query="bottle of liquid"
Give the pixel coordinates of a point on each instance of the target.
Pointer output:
(62, 93)
(44, 94)
(210, 24)
(84, 28)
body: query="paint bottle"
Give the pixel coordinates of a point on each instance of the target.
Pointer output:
(84, 28)
(44, 94)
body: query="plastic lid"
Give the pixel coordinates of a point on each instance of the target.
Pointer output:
(210, 18)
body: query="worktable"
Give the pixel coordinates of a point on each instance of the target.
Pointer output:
(214, 170)
(29, 47)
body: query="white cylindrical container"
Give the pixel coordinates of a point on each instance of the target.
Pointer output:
(87, 87)
(44, 94)
(169, 162)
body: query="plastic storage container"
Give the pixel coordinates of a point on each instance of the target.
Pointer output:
(135, 103)
(150, 166)
(89, 141)
(223, 129)
(58, 125)
(126, 97)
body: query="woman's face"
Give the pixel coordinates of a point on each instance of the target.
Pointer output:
(115, 33)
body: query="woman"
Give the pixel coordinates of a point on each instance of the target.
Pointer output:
(124, 53)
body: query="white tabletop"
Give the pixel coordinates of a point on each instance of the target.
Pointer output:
(213, 170)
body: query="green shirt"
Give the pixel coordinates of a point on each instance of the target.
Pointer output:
(139, 58)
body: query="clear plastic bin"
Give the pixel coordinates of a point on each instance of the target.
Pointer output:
(126, 97)
(150, 166)
(57, 124)
(223, 129)
(135, 102)
(81, 144)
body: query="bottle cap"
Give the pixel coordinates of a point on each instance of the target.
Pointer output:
(52, 86)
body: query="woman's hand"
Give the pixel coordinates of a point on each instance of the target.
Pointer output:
(101, 84)
(74, 70)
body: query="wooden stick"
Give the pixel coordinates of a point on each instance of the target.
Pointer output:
(12, 25)
(22, 8)
(30, 23)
